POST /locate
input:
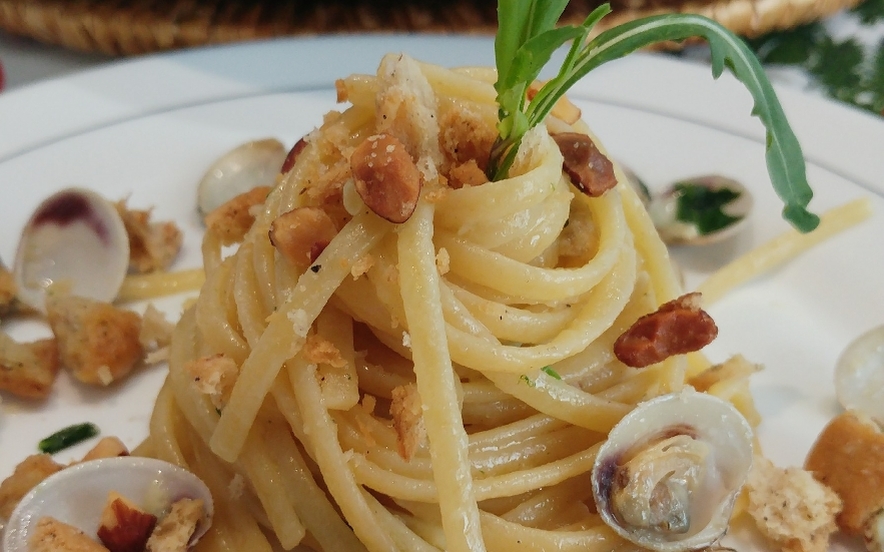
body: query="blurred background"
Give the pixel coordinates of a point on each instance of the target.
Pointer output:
(829, 47)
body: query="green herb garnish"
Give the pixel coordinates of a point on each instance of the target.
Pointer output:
(704, 207)
(550, 372)
(68, 437)
(527, 37)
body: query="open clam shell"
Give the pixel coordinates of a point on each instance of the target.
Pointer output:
(75, 239)
(859, 375)
(667, 477)
(77, 495)
(701, 210)
(253, 164)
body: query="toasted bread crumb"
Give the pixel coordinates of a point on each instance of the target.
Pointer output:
(790, 507)
(52, 535)
(97, 342)
(174, 530)
(28, 473)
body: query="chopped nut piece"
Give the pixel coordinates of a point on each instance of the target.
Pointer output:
(386, 178)
(31, 471)
(292, 155)
(174, 530)
(124, 526)
(790, 507)
(848, 456)
(213, 376)
(97, 342)
(107, 447)
(588, 168)
(28, 369)
(51, 535)
(302, 234)
(152, 245)
(232, 220)
(679, 326)
(407, 419)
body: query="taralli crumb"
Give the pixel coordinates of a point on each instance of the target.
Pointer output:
(28, 473)
(52, 535)
(301, 234)
(28, 370)
(232, 220)
(152, 245)
(790, 507)
(98, 342)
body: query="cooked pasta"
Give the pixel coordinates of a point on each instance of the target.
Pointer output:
(439, 384)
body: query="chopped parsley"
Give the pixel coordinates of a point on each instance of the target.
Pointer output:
(703, 207)
(68, 437)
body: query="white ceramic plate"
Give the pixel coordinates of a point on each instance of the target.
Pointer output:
(147, 129)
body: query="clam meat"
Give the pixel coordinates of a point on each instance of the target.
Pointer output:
(77, 495)
(667, 477)
(75, 240)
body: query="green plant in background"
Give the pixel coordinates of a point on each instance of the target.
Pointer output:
(845, 69)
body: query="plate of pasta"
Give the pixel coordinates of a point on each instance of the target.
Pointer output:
(464, 335)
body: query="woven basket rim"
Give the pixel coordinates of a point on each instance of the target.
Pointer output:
(130, 27)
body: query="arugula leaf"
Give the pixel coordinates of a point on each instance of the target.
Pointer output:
(537, 33)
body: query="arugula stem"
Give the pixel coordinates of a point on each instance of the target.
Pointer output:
(525, 58)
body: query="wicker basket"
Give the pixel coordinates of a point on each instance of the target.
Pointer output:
(126, 27)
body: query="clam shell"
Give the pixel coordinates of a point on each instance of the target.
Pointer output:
(663, 209)
(77, 495)
(682, 510)
(859, 375)
(241, 169)
(75, 239)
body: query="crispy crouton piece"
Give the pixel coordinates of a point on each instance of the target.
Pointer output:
(301, 234)
(107, 447)
(408, 419)
(124, 526)
(791, 508)
(848, 456)
(466, 174)
(174, 530)
(97, 342)
(152, 245)
(465, 135)
(155, 335)
(232, 220)
(319, 350)
(52, 535)
(28, 369)
(213, 376)
(30, 472)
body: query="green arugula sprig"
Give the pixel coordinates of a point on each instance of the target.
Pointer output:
(527, 37)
